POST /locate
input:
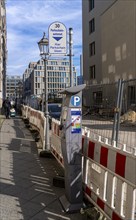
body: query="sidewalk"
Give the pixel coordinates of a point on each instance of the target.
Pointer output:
(26, 189)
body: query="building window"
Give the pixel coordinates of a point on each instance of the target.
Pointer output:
(91, 4)
(91, 26)
(92, 72)
(97, 100)
(92, 48)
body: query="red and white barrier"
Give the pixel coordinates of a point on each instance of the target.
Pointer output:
(56, 142)
(109, 173)
(37, 119)
(108, 180)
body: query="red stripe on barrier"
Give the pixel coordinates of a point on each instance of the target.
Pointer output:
(91, 150)
(115, 216)
(120, 164)
(100, 203)
(104, 156)
(88, 191)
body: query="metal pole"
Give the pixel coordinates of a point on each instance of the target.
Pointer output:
(42, 102)
(114, 132)
(120, 108)
(70, 56)
(47, 146)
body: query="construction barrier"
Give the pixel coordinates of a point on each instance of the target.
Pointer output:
(109, 179)
(56, 142)
(36, 119)
(109, 172)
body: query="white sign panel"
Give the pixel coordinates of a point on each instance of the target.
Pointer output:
(57, 39)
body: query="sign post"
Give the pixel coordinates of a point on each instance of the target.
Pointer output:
(57, 39)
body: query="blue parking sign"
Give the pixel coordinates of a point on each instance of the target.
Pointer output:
(76, 101)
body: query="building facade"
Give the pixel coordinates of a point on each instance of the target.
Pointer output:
(58, 77)
(91, 16)
(3, 51)
(91, 29)
(80, 80)
(27, 79)
(13, 89)
(109, 47)
(118, 42)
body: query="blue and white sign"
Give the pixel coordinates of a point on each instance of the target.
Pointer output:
(76, 121)
(57, 39)
(75, 100)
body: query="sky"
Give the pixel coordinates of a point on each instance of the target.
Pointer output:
(26, 22)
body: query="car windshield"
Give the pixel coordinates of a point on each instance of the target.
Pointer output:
(54, 108)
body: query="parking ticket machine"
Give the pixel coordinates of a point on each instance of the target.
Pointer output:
(71, 143)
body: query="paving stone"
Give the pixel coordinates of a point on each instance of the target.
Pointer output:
(26, 180)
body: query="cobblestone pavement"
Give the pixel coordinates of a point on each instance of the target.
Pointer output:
(26, 180)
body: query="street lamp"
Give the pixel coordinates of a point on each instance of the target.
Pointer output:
(43, 46)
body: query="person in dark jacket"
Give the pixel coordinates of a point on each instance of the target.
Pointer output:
(7, 105)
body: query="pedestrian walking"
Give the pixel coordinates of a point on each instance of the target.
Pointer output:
(6, 106)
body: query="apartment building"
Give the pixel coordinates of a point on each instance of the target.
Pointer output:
(13, 87)
(109, 47)
(58, 77)
(3, 51)
(27, 79)
(91, 12)
(118, 42)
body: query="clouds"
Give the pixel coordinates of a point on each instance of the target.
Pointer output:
(26, 22)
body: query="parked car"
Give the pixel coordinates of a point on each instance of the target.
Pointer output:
(12, 112)
(54, 110)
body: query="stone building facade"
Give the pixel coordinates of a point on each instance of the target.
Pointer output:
(3, 51)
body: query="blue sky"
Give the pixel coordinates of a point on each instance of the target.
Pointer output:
(26, 22)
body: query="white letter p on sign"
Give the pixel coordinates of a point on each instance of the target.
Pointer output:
(76, 100)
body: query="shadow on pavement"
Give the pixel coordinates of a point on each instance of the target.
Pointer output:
(26, 181)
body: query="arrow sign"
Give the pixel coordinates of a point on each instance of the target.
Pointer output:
(57, 39)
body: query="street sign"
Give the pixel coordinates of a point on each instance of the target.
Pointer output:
(76, 121)
(75, 100)
(57, 39)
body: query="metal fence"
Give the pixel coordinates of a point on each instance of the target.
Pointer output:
(111, 112)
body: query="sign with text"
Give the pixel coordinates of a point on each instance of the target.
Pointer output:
(75, 121)
(57, 39)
